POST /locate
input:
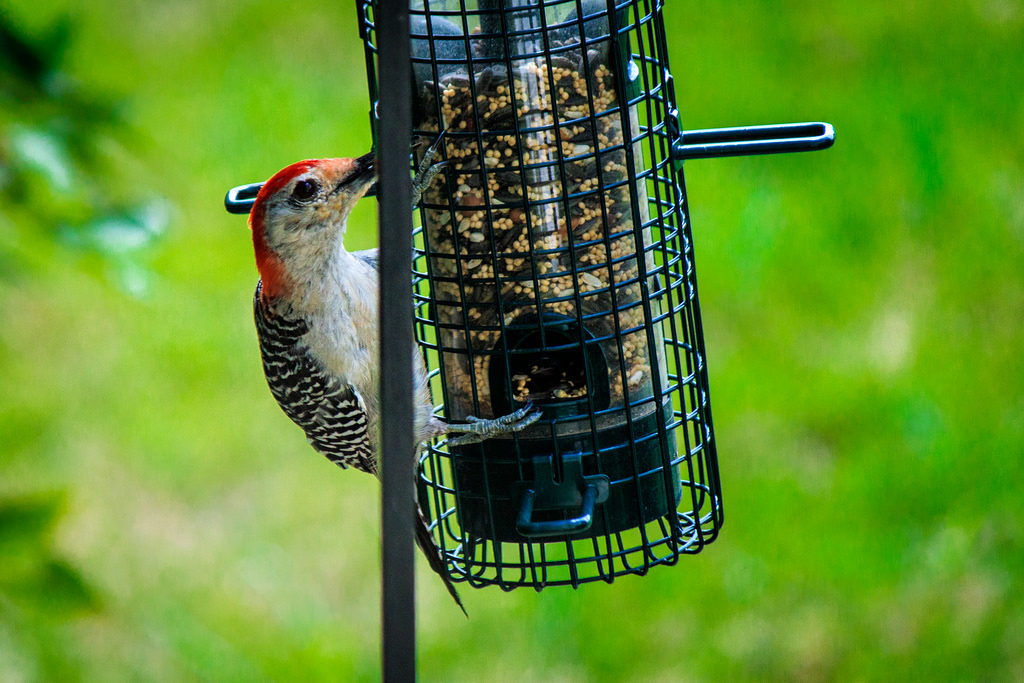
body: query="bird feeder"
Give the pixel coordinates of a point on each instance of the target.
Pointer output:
(555, 266)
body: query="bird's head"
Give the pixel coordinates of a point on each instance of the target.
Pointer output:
(299, 216)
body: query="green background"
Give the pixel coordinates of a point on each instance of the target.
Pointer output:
(161, 519)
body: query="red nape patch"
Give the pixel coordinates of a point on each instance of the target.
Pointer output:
(270, 267)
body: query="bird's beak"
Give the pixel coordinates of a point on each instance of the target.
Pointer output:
(366, 165)
(362, 175)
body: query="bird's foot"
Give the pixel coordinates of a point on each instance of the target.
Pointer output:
(477, 429)
(427, 170)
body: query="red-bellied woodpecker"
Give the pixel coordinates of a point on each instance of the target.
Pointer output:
(316, 318)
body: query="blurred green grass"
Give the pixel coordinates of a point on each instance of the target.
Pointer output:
(863, 314)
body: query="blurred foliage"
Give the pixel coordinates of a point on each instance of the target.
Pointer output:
(862, 311)
(53, 190)
(34, 572)
(39, 589)
(56, 145)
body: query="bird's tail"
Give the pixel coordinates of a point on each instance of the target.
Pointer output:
(426, 543)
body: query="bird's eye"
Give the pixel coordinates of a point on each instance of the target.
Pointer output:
(305, 190)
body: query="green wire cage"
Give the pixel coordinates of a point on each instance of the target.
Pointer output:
(555, 266)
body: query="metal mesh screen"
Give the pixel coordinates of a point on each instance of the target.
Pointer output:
(554, 265)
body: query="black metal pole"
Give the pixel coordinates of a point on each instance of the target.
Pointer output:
(397, 448)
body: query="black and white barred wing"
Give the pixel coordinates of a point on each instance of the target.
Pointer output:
(329, 411)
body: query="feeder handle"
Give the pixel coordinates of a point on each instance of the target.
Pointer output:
(558, 527)
(692, 144)
(745, 140)
(240, 199)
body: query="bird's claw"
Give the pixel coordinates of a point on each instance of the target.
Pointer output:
(427, 170)
(465, 440)
(520, 419)
(431, 152)
(513, 422)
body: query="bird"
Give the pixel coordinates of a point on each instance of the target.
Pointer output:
(315, 309)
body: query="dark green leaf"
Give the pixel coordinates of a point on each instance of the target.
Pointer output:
(28, 520)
